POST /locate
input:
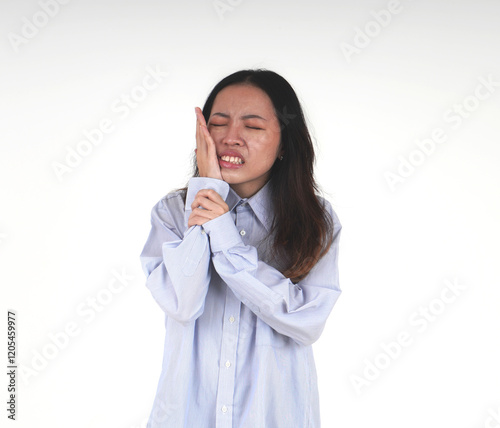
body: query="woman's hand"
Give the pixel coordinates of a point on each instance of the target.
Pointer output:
(207, 205)
(206, 154)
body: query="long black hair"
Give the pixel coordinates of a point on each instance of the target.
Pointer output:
(302, 228)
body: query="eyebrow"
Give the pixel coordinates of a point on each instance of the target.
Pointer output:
(248, 116)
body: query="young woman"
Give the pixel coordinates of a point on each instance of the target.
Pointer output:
(244, 264)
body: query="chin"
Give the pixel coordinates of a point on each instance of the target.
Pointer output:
(231, 179)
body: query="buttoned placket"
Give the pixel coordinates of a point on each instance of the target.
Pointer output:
(230, 333)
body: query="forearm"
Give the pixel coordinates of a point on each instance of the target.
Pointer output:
(179, 280)
(298, 310)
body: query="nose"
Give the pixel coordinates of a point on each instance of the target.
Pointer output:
(232, 136)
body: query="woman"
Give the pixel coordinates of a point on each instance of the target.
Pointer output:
(244, 264)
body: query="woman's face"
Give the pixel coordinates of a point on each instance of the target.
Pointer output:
(247, 135)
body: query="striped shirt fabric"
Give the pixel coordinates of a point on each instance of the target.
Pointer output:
(238, 334)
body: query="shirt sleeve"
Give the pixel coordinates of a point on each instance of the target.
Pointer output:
(175, 260)
(297, 310)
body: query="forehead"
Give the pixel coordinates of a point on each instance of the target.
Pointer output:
(243, 98)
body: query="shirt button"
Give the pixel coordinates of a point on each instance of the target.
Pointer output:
(231, 319)
(203, 232)
(224, 409)
(242, 233)
(228, 364)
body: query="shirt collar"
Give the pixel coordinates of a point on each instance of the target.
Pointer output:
(260, 204)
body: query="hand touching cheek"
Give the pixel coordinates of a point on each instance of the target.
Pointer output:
(206, 153)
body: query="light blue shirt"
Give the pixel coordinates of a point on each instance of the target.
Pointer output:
(238, 334)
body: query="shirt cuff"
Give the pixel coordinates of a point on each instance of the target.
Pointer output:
(186, 253)
(198, 183)
(223, 233)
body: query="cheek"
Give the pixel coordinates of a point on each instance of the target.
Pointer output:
(267, 156)
(214, 133)
(275, 128)
(217, 131)
(272, 146)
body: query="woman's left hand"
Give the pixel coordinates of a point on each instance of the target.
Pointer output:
(207, 205)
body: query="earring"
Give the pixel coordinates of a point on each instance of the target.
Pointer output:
(281, 157)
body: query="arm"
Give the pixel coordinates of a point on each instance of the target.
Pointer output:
(297, 310)
(177, 266)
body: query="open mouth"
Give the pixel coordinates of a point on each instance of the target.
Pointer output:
(232, 160)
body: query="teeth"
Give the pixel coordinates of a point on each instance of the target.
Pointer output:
(232, 159)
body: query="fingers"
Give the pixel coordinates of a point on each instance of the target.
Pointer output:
(199, 116)
(207, 205)
(206, 153)
(196, 220)
(199, 142)
(200, 216)
(212, 153)
(201, 127)
(203, 136)
(211, 201)
(210, 194)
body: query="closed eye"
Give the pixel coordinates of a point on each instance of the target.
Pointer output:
(249, 127)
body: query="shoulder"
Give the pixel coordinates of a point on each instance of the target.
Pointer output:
(169, 210)
(173, 201)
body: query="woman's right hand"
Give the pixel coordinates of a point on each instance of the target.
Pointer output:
(206, 154)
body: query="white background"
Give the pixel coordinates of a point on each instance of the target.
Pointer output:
(62, 239)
